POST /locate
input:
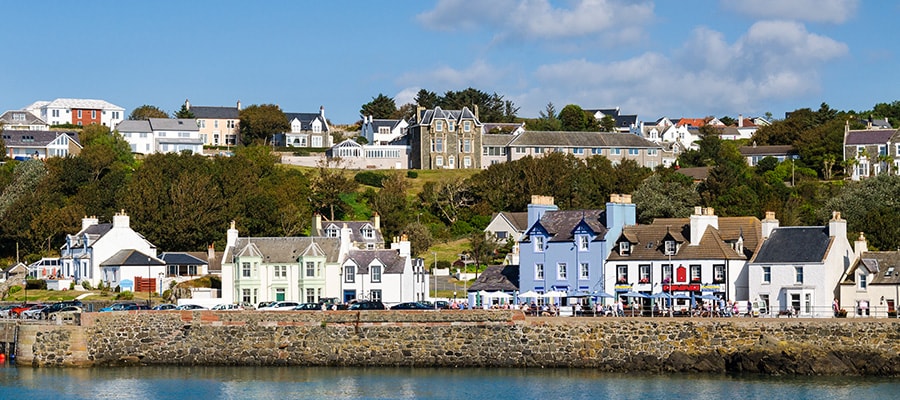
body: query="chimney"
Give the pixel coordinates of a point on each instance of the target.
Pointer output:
(317, 223)
(860, 246)
(402, 246)
(239, 105)
(187, 104)
(740, 120)
(345, 244)
(619, 213)
(211, 252)
(231, 236)
(121, 220)
(419, 111)
(376, 220)
(87, 222)
(703, 217)
(837, 227)
(539, 205)
(769, 224)
(322, 111)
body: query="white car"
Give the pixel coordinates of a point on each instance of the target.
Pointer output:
(281, 306)
(226, 307)
(34, 312)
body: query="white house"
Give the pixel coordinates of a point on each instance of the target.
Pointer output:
(307, 130)
(797, 269)
(871, 286)
(77, 112)
(508, 226)
(382, 131)
(162, 135)
(124, 252)
(386, 275)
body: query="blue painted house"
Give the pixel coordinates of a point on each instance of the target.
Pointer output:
(566, 250)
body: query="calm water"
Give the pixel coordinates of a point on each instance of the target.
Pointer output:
(207, 383)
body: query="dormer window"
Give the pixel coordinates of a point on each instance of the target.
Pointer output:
(368, 233)
(670, 247)
(583, 242)
(439, 126)
(331, 232)
(538, 243)
(624, 248)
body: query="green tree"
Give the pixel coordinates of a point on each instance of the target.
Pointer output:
(327, 184)
(728, 121)
(607, 124)
(185, 113)
(147, 111)
(391, 203)
(427, 99)
(548, 120)
(573, 118)
(420, 239)
(482, 247)
(259, 123)
(381, 107)
(665, 194)
(870, 206)
(447, 198)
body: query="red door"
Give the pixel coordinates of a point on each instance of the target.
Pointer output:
(681, 274)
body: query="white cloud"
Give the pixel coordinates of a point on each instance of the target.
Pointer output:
(541, 20)
(478, 75)
(834, 11)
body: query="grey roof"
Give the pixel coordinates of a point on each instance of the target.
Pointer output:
(519, 220)
(869, 136)
(581, 139)
(356, 228)
(496, 139)
(376, 123)
(885, 265)
(182, 259)
(612, 112)
(306, 120)
(795, 244)
(129, 125)
(487, 127)
(626, 121)
(169, 124)
(393, 262)
(131, 257)
(30, 119)
(779, 150)
(504, 278)
(15, 138)
(287, 249)
(427, 116)
(560, 224)
(215, 112)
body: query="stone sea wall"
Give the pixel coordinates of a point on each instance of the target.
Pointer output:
(468, 339)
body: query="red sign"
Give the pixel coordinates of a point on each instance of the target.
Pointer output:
(681, 288)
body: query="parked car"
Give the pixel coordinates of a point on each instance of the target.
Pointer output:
(443, 305)
(34, 312)
(137, 307)
(367, 305)
(117, 306)
(190, 307)
(309, 307)
(280, 306)
(164, 307)
(16, 312)
(45, 313)
(264, 304)
(225, 307)
(410, 305)
(5, 310)
(66, 312)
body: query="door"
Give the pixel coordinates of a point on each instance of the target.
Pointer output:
(681, 274)
(349, 295)
(279, 294)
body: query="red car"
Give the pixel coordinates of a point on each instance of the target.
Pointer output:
(16, 312)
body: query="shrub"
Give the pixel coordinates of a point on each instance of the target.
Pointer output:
(87, 285)
(460, 229)
(412, 174)
(370, 178)
(126, 295)
(36, 284)
(72, 285)
(15, 289)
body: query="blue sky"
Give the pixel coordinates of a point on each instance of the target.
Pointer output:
(663, 58)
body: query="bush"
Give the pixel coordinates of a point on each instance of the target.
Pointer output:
(126, 295)
(301, 152)
(72, 285)
(412, 174)
(15, 289)
(36, 284)
(460, 229)
(87, 285)
(370, 178)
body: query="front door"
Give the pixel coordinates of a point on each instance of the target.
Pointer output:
(349, 295)
(279, 294)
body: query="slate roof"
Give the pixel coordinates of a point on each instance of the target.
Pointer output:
(30, 119)
(356, 235)
(391, 259)
(214, 265)
(16, 138)
(285, 249)
(427, 116)
(377, 123)
(647, 241)
(129, 125)
(519, 220)
(795, 245)
(504, 278)
(496, 139)
(626, 121)
(169, 124)
(581, 139)
(182, 259)
(560, 224)
(83, 103)
(869, 136)
(215, 112)
(885, 265)
(306, 120)
(131, 258)
(778, 150)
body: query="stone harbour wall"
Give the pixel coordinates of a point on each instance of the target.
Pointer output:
(468, 339)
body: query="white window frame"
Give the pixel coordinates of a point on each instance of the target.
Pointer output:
(539, 271)
(538, 243)
(561, 272)
(584, 271)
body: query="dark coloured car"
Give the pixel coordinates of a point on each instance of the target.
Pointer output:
(136, 307)
(164, 307)
(412, 305)
(443, 305)
(56, 307)
(117, 307)
(367, 305)
(309, 307)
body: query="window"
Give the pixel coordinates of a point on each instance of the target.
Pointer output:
(467, 162)
(332, 232)
(439, 145)
(615, 152)
(467, 145)
(561, 271)
(798, 274)
(597, 152)
(501, 235)
(719, 273)
(538, 150)
(280, 271)
(93, 114)
(375, 273)
(624, 248)
(670, 247)
(621, 273)
(862, 282)
(349, 274)
(584, 271)
(439, 161)
(583, 241)
(310, 269)
(523, 150)
(652, 152)
(667, 273)
(807, 303)
(882, 150)
(538, 271)
(201, 123)
(375, 295)
(439, 126)
(245, 270)
(795, 302)
(451, 162)
(310, 295)
(316, 141)
(767, 274)
(897, 151)
(245, 296)
(538, 243)
(451, 126)
(644, 273)
(467, 126)
(634, 152)
(229, 124)
(55, 113)
(578, 150)
(695, 273)
(368, 233)
(79, 113)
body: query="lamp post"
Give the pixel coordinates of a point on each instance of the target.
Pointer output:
(434, 278)
(149, 289)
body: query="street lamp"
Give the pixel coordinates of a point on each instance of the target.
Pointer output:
(434, 278)
(149, 289)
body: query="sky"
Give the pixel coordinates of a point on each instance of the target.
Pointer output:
(675, 59)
